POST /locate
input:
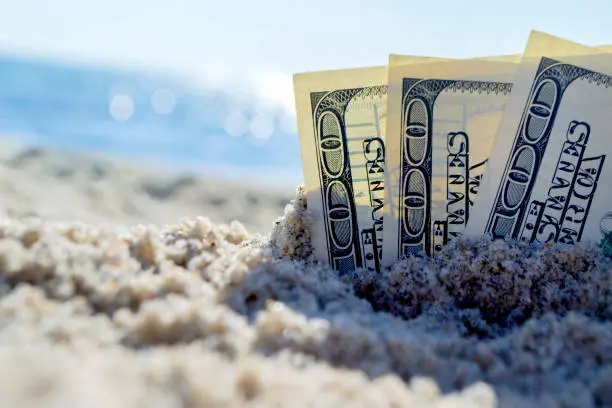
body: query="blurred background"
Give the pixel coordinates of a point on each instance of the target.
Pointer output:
(146, 111)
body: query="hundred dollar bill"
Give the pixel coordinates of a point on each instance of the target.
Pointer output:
(442, 118)
(552, 166)
(341, 124)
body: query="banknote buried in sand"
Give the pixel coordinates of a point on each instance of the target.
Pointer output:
(403, 159)
(198, 314)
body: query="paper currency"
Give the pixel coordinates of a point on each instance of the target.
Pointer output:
(550, 169)
(442, 118)
(341, 121)
(342, 126)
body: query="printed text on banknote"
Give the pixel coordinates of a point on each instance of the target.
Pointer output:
(426, 223)
(560, 213)
(350, 156)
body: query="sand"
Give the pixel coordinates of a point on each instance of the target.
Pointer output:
(63, 186)
(201, 314)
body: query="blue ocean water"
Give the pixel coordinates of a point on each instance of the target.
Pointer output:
(143, 115)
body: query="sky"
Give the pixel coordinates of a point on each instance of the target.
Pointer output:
(263, 42)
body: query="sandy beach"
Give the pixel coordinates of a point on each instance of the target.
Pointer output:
(64, 186)
(99, 311)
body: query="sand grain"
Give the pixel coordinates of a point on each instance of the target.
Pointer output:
(203, 314)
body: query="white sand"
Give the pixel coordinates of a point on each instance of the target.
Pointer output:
(199, 314)
(60, 186)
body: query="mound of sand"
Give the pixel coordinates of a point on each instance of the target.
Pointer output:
(204, 315)
(61, 186)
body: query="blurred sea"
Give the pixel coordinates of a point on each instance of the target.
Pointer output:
(153, 118)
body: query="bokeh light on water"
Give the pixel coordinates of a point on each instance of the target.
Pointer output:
(144, 114)
(236, 124)
(121, 107)
(163, 101)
